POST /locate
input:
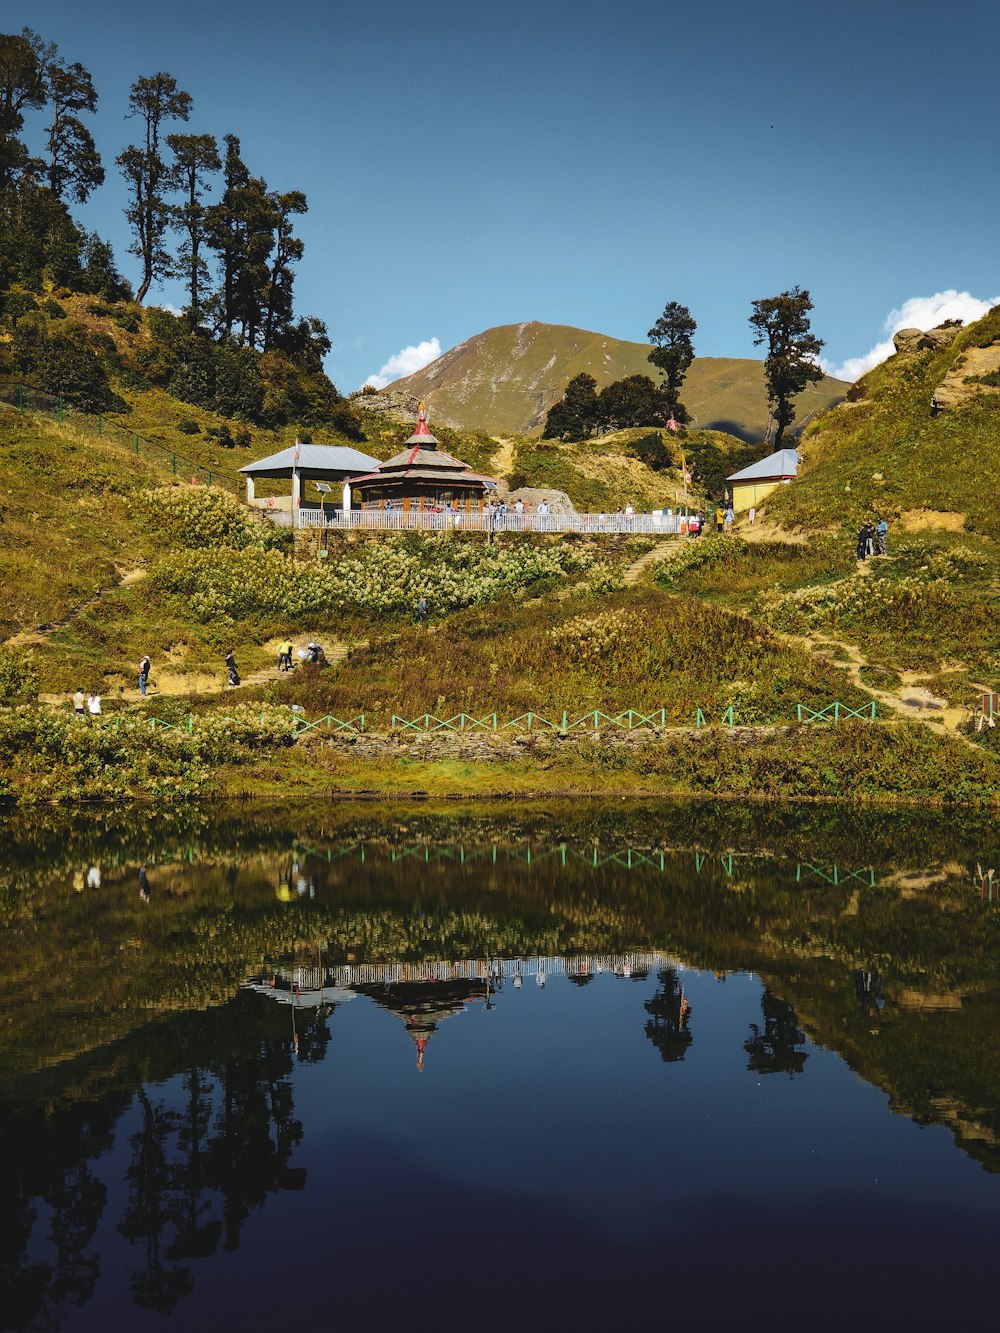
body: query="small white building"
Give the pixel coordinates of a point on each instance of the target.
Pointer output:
(328, 463)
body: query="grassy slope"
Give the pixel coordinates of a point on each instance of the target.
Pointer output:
(84, 537)
(508, 377)
(929, 608)
(885, 452)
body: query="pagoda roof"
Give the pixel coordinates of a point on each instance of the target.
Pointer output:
(453, 476)
(419, 456)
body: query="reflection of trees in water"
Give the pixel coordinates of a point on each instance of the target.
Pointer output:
(774, 1048)
(197, 1166)
(46, 1166)
(670, 1012)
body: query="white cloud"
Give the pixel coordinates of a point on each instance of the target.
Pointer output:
(407, 362)
(919, 312)
(170, 309)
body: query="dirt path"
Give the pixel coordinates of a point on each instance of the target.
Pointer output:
(504, 458)
(26, 637)
(912, 700)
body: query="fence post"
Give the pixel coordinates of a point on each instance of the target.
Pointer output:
(798, 711)
(190, 722)
(836, 711)
(494, 721)
(873, 713)
(210, 479)
(564, 721)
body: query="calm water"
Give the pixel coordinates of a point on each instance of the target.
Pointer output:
(499, 1067)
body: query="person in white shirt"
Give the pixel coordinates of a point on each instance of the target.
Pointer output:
(94, 705)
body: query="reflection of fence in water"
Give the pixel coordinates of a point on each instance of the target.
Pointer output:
(347, 975)
(565, 856)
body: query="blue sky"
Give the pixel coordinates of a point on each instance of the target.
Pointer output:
(583, 163)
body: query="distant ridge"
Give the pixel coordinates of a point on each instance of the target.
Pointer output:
(506, 379)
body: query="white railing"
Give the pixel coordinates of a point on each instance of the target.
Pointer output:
(415, 520)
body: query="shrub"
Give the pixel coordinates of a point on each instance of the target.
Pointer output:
(53, 309)
(200, 517)
(188, 427)
(224, 585)
(243, 439)
(18, 304)
(18, 676)
(129, 320)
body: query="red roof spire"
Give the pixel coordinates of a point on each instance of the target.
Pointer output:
(422, 426)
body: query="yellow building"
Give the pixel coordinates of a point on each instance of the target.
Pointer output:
(752, 485)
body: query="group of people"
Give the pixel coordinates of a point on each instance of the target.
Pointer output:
(873, 539)
(311, 655)
(724, 519)
(87, 704)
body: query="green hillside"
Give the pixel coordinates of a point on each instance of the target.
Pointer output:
(507, 378)
(921, 624)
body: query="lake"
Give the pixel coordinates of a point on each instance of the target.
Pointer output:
(490, 1064)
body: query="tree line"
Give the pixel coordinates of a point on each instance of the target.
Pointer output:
(779, 323)
(236, 255)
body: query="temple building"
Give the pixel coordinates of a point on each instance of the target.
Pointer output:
(422, 476)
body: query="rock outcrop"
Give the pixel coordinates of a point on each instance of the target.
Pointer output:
(976, 372)
(926, 340)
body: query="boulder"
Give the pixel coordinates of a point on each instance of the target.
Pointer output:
(926, 340)
(558, 501)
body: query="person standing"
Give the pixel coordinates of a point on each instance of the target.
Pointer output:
(720, 518)
(727, 519)
(543, 515)
(629, 515)
(285, 655)
(866, 539)
(233, 673)
(881, 537)
(422, 611)
(78, 703)
(144, 665)
(94, 704)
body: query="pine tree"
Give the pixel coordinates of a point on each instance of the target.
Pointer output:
(153, 100)
(673, 352)
(196, 156)
(782, 322)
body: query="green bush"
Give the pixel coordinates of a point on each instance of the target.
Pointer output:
(18, 677)
(202, 518)
(188, 427)
(222, 586)
(53, 309)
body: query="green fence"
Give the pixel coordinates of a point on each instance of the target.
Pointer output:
(20, 398)
(630, 720)
(564, 724)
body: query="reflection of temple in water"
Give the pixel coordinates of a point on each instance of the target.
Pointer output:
(424, 994)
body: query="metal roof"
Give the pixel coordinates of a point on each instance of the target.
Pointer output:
(783, 463)
(335, 461)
